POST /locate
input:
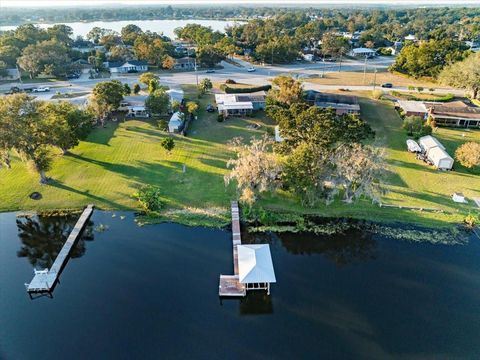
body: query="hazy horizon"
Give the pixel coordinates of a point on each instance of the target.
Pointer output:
(90, 3)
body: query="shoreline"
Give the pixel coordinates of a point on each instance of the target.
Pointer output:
(279, 221)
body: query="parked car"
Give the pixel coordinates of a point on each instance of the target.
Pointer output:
(210, 108)
(41, 89)
(387, 85)
(73, 76)
(209, 71)
(13, 90)
(251, 69)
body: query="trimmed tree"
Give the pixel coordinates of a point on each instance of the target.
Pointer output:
(468, 154)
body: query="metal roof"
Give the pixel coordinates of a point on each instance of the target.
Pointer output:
(236, 106)
(412, 106)
(255, 264)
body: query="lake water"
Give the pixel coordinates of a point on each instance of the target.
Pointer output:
(160, 26)
(150, 292)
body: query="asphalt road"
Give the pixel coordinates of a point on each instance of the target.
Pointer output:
(261, 76)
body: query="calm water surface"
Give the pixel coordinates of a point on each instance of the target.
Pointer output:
(150, 292)
(160, 26)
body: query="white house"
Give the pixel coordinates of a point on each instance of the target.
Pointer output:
(131, 66)
(410, 37)
(240, 104)
(134, 106)
(176, 122)
(363, 52)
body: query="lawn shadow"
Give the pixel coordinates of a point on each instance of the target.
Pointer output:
(102, 135)
(86, 193)
(216, 163)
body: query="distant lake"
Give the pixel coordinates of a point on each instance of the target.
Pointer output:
(151, 292)
(160, 26)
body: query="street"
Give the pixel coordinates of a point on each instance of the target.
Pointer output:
(261, 76)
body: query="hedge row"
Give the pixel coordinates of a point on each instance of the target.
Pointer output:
(230, 90)
(444, 98)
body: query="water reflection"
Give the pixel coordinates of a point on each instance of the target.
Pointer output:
(42, 238)
(256, 303)
(351, 246)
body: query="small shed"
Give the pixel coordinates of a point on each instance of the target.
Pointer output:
(440, 158)
(176, 123)
(459, 198)
(255, 266)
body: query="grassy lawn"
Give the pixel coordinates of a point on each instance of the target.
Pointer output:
(114, 161)
(410, 182)
(357, 79)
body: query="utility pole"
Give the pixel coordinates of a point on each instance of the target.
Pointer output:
(365, 70)
(196, 73)
(341, 57)
(323, 67)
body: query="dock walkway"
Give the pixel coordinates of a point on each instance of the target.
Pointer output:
(230, 284)
(45, 280)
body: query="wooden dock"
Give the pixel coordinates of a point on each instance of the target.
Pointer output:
(230, 284)
(45, 280)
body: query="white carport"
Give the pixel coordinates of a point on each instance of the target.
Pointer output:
(440, 158)
(255, 266)
(413, 146)
(428, 142)
(176, 122)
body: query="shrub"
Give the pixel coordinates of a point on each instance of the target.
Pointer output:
(384, 51)
(411, 87)
(420, 88)
(168, 144)
(229, 90)
(136, 89)
(470, 220)
(162, 124)
(415, 127)
(377, 94)
(220, 118)
(230, 81)
(149, 198)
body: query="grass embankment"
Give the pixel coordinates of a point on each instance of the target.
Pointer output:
(422, 96)
(358, 79)
(114, 161)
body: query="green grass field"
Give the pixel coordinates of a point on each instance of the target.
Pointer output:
(114, 161)
(107, 168)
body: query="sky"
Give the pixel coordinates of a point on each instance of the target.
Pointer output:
(51, 3)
